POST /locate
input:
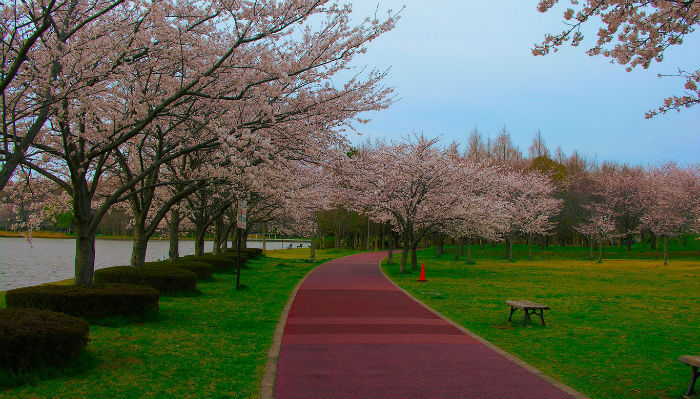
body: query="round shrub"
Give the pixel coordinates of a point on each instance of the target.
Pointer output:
(203, 270)
(164, 279)
(33, 337)
(93, 302)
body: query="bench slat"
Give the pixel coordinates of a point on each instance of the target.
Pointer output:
(690, 360)
(526, 304)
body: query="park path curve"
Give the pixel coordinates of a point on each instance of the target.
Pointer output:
(351, 333)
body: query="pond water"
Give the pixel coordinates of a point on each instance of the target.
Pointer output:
(48, 259)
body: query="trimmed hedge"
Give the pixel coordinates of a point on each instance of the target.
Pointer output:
(167, 280)
(250, 252)
(34, 337)
(220, 263)
(94, 302)
(203, 270)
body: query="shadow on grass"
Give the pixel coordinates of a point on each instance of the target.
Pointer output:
(80, 365)
(183, 294)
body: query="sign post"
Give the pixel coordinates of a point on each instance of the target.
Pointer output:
(241, 223)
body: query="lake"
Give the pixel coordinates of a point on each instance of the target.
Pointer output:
(51, 259)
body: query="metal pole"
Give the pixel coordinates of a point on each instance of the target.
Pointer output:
(238, 260)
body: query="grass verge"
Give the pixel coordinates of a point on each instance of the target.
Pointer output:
(209, 346)
(615, 329)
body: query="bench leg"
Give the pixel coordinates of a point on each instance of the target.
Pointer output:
(693, 378)
(512, 309)
(526, 318)
(542, 316)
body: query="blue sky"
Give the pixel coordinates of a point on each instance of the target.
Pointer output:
(457, 65)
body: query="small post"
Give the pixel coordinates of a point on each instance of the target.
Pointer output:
(263, 238)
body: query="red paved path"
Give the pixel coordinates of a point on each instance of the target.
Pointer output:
(352, 334)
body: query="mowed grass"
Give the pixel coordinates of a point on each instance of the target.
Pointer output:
(213, 345)
(615, 330)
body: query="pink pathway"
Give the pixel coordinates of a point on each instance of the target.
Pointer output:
(351, 333)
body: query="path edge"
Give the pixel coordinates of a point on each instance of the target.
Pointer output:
(558, 384)
(267, 385)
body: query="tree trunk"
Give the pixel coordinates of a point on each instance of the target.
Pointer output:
(600, 251)
(529, 246)
(665, 250)
(140, 244)
(440, 243)
(590, 241)
(84, 252)
(414, 257)
(469, 250)
(83, 217)
(457, 241)
(629, 243)
(510, 249)
(174, 252)
(404, 256)
(391, 249)
(505, 255)
(199, 241)
(313, 249)
(219, 235)
(264, 248)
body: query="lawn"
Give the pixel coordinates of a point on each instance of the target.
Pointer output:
(213, 345)
(615, 329)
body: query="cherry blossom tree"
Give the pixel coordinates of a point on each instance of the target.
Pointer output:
(632, 33)
(28, 76)
(411, 184)
(530, 205)
(142, 63)
(670, 201)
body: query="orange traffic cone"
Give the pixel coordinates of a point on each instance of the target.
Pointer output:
(422, 272)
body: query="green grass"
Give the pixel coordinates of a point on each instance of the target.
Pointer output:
(615, 329)
(210, 346)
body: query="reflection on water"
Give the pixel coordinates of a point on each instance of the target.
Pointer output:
(50, 259)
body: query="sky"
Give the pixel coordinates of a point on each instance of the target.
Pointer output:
(460, 65)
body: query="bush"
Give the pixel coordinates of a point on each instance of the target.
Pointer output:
(164, 279)
(221, 263)
(33, 337)
(203, 270)
(94, 302)
(249, 252)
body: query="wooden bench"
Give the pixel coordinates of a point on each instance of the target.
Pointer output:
(529, 308)
(694, 363)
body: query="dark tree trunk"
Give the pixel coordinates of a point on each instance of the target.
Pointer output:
(174, 252)
(140, 245)
(469, 250)
(389, 259)
(404, 255)
(457, 242)
(414, 257)
(665, 250)
(529, 246)
(85, 231)
(440, 245)
(199, 241)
